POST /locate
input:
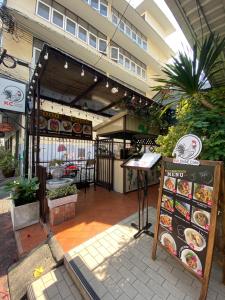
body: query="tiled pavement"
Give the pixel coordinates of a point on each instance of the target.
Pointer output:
(8, 249)
(119, 267)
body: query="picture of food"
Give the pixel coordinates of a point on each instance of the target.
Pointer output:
(166, 221)
(77, 128)
(168, 241)
(169, 183)
(183, 209)
(191, 259)
(201, 218)
(194, 239)
(53, 125)
(87, 129)
(184, 187)
(167, 203)
(203, 193)
(66, 126)
(42, 122)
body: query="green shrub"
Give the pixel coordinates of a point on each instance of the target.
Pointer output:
(62, 192)
(8, 163)
(23, 190)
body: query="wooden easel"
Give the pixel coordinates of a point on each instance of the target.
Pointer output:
(218, 166)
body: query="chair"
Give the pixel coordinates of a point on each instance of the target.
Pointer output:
(90, 165)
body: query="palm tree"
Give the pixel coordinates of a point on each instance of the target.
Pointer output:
(189, 75)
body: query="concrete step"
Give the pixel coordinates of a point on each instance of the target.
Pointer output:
(56, 285)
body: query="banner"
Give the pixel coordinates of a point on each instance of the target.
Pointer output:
(57, 125)
(12, 95)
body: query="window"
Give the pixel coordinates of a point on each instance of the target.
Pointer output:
(143, 73)
(93, 40)
(58, 18)
(43, 10)
(128, 31)
(139, 71)
(121, 59)
(139, 40)
(114, 19)
(127, 63)
(82, 34)
(134, 36)
(144, 45)
(95, 4)
(103, 9)
(102, 45)
(121, 25)
(70, 26)
(114, 53)
(36, 55)
(133, 67)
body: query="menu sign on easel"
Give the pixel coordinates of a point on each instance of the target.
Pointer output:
(186, 215)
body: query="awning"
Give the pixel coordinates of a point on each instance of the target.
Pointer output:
(69, 81)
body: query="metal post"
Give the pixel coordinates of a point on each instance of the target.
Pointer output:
(38, 125)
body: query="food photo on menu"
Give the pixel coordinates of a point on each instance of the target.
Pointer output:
(66, 126)
(169, 183)
(195, 240)
(203, 193)
(184, 188)
(168, 242)
(54, 125)
(77, 128)
(200, 218)
(182, 209)
(167, 203)
(191, 259)
(166, 221)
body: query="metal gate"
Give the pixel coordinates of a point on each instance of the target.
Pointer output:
(105, 163)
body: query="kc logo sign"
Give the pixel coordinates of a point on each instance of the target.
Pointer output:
(12, 95)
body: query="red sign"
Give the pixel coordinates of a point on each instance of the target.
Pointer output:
(6, 127)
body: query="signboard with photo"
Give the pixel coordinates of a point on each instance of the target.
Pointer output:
(57, 125)
(12, 95)
(187, 212)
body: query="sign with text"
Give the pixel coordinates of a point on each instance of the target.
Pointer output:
(12, 95)
(187, 211)
(57, 125)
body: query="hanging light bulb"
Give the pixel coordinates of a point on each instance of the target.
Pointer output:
(146, 103)
(107, 84)
(82, 72)
(140, 100)
(95, 78)
(66, 65)
(33, 81)
(40, 65)
(133, 97)
(125, 93)
(36, 74)
(31, 87)
(46, 56)
(30, 93)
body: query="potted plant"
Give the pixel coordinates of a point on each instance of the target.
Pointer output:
(8, 163)
(61, 203)
(25, 207)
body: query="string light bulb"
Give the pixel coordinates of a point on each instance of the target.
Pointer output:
(107, 84)
(40, 65)
(133, 97)
(66, 65)
(46, 56)
(33, 81)
(29, 92)
(36, 74)
(95, 78)
(82, 72)
(140, 100)
(31, 87)
(125, 93)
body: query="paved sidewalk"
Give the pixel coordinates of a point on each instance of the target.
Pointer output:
(119, 267)
(8, 249)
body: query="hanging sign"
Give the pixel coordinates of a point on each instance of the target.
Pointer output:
(187, 212)
(6, 127)
(12, 95)
(57, 125)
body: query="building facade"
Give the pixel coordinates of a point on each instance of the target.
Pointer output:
(126, 44)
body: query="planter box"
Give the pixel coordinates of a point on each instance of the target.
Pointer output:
(25, 215)
(62, 209)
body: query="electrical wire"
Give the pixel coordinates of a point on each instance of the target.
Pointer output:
(113, 33)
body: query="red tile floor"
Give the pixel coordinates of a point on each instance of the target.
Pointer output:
(95, 212)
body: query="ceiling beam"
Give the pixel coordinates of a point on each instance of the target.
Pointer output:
(109, 106)
(86, 92)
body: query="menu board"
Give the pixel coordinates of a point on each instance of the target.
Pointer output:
(186, 216)
(147, 161)
(53, 124)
